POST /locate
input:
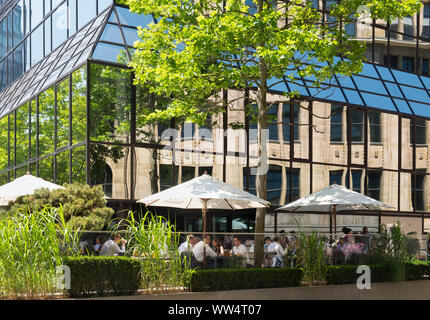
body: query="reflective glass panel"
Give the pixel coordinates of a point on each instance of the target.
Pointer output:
(46, 123)
(86, 12)
(63, 107)
(46, 169)
(4, 143)
(79, 105)
(79, 164)
(63, 161)
(110, 104)
(22, 134)
(59, 25)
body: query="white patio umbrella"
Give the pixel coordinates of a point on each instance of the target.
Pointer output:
(332, 199)
(23, 186)
(205, 192)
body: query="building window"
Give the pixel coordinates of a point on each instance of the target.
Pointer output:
(272, 126)
(394, 26)
(375, 126)
(286, 122)
(166, 176)
(408, 64)
(274, 184)
(357, 125)
(203, 170)
(408, 28)
(350, 29)
(418, 190)
(336, 123)
(188, 173)
(293, 192)
(374, 184)
(101, 174)
(356, 180)
(336, 177)
(188, 130)
(425, 67)
(252, 188)
(394, 61)
(426, 21)
(420, 132)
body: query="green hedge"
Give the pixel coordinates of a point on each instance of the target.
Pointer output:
(253, 278)
(103, 275)
(418, 270)
(347, 274)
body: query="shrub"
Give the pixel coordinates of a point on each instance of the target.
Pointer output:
(235, 279)
(347, 274)
(416, 270)
(84, 207)
(103, 275)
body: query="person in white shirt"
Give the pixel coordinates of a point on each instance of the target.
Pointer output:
(188, 245)
(277, 261)
(239, 250)
(199, 248)
(111, 248)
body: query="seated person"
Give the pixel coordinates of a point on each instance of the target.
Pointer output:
(111, 247)
(239, 250)
(188, 245)
(198, 252)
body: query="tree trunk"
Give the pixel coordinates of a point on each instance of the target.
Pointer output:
(261, 179)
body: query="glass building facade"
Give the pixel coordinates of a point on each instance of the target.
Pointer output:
(69, 112)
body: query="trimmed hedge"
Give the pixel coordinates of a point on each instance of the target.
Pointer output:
(103, 275)
(347, 274)
(253, 278)
(418, 270)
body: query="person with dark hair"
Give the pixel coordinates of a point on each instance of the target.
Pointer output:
(279, 257)
(267, 243)
(111, 247)
(100, 240)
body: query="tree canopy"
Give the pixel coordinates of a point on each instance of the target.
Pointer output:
(198, 48)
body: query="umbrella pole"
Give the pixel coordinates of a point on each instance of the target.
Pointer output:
(331, 225)
(335, 223)
(204, 211)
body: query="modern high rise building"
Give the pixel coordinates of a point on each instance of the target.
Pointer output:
(69, 112)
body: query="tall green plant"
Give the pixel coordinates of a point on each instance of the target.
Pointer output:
(392, 248)
(153, 240)
(30, 252)
(312, 257)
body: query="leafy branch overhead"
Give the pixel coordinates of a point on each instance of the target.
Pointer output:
(198, 48)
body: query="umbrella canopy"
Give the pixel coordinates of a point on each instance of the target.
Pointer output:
(22, 186)
(335, 195)
(217, 195)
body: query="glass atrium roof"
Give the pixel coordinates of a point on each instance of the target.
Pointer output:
(375, 87)
(111, 36)
(70, 55)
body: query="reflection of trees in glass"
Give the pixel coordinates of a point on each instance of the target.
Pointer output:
(4, 143)
(63, 168)
(22, 134)
(79, 164)
(12, 139)
(63, 128)
(79, 105)
(110, 103)
(46, 122)
(46, 169)
(33, 131)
